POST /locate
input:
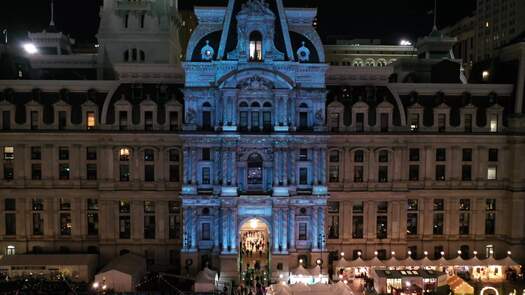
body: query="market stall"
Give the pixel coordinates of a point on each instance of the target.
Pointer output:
(77, 267)
(206, 281)
(122, 274)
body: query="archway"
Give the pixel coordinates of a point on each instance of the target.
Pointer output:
(254, 253)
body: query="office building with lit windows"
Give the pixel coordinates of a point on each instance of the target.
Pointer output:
(254, 135)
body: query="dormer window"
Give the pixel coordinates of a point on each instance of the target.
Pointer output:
(256, 53)
(90, 120)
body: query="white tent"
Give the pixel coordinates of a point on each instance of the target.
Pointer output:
(374, 262)
(205, 281)
(393, 262)
(426, 262)
(299, 288)
(507, 261)
(359, 262)
(123, 273)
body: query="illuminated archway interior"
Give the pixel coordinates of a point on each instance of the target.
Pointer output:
(254, 254)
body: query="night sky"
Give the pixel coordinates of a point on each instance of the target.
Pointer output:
(389, 20)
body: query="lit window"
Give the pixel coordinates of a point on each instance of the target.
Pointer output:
(485, 75)
(90, 120)
(492, 173)
(10, 250)
(124, 154)
(494, 123)
(256, 46)
(9, 153)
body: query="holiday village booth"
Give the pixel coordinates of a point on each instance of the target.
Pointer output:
(307, 276)
(489, 269)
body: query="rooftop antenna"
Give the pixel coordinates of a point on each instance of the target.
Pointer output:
(435, 16)
(52, 22)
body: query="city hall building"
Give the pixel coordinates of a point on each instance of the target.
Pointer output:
(252, 150)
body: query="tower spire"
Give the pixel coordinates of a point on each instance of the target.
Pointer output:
(52, 22)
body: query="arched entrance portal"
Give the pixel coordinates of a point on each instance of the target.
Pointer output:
(254, 254)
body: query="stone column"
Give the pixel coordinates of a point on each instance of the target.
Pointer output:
(233, 230)
(322, 234)
(186, 167)
(216, 236)
(292, 166)
(275, 167)
(233, 159)
(194, 166)
(429, 163)
(136, 173)
(194, 228)
(323, 167)
(137, 220)
(372, 170)
(284, 240)
(315, 167)
(291, 225)
(225, 231)
(224, 167)
(315, 228)
(276, 232)
(285, 167)
(186, 243)
(160, 164)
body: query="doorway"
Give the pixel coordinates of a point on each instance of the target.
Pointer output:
(255, 173)
(254, 252)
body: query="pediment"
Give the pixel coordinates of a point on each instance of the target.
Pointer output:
(336, 105)
(256, 83)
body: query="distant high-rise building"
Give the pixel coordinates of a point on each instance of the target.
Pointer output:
(497, 23)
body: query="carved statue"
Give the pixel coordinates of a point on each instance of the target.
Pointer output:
(319, 117)
(190, 116)
(256, 83)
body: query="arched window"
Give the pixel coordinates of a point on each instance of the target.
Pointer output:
(124, 171)
(267, 104)
(206, 116)
(303, 116)
(359, 166)
(383, 159)
(256, 52)
(333, 172)
(256, 104)
(243, 104)
(255, 172)
(255, 118)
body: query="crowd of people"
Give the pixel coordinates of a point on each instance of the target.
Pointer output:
(253, 243)
(39, 285)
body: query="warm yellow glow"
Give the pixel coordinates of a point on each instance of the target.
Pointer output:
(91, 120)
(124, 154)
(485, 75)
(254, 223)
(9, 150)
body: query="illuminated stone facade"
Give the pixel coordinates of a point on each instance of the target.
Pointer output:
(256, 125)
